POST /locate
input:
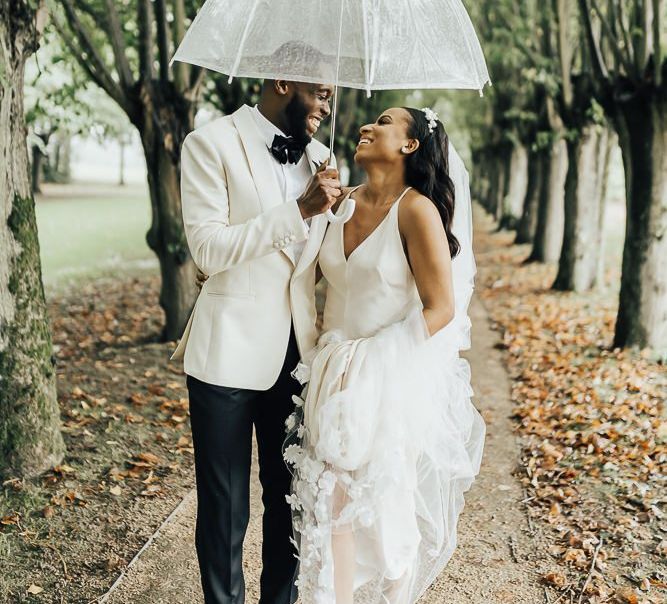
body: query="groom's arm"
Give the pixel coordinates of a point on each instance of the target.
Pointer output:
(216, 245)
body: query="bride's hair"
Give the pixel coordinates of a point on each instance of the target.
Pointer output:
(427, 170)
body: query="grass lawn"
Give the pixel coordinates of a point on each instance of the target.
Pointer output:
(86, 233)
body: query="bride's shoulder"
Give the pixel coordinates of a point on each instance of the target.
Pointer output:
(418, 218)
(416, 208)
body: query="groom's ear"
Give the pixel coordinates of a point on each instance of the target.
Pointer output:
(282, 87)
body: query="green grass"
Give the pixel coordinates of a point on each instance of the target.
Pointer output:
(88, 237)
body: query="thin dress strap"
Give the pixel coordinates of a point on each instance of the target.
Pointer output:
(400, 197)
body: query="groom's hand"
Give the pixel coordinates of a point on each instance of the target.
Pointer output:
(321, 193)
(201, 279)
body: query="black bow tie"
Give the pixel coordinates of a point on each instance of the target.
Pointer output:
(286, 149)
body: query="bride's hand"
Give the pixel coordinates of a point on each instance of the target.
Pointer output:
(343, 194)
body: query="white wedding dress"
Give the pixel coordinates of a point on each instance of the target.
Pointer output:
(385, 439)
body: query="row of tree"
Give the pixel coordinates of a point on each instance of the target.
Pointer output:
(572, 77)
(123, 49)
(567, 73)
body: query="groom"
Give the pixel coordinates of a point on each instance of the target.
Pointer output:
(252, 206)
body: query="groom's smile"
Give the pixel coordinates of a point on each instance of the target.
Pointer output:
(314, 124)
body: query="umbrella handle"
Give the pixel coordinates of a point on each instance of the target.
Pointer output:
(349, 206)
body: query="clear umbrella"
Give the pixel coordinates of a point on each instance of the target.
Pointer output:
(366, 44)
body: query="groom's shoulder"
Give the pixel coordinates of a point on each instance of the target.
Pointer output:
(212, 130)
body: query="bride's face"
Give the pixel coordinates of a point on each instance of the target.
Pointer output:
(386, 140)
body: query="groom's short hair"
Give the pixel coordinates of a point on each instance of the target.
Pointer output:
(295, 54)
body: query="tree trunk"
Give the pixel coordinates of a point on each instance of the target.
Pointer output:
(500, 183)
(517, 183)
(605, 158)
(580, 254)
(30, 438)
(480, 179)
(161, 137)
(121, 178)
(537, 161)
(64, 160)
(642, 314)
(36, 169)
(550, 215)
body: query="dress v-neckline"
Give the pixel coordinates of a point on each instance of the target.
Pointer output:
(377, 227)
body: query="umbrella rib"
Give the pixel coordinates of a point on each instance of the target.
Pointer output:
(420, 41)
(367, 63)
(470, 52)
(333, 120)
(239, 54)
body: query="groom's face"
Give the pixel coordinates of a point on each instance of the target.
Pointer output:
(308, 107)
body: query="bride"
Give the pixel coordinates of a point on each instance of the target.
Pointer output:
(385, 440)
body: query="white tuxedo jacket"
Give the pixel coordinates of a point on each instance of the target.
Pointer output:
(239, 230)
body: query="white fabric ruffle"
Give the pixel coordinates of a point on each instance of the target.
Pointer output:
(387, 441)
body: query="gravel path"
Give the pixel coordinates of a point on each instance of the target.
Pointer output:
(496, 560)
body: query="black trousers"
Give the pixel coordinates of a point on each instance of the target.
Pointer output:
(222, 420)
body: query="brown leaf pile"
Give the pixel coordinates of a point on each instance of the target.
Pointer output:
(129, 455)
(593, 427)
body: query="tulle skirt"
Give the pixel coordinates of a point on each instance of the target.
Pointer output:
(383, 444)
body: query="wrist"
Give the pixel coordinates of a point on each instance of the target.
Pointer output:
(302, 209)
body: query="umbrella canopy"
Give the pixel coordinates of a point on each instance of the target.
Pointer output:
(367, 44)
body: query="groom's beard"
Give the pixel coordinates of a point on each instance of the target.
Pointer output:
(296, 113)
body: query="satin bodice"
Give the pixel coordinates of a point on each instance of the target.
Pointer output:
(374, 287)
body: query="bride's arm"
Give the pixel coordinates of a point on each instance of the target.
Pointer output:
(427, 250)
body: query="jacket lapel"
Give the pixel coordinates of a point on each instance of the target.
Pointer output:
(259, 160)
(318, 224)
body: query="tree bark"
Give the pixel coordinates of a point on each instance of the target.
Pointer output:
(550, 214)
(611, 143)
(36, 169)
(30, 437)
(537, 161)
(580, 254)
(161, 135)
(641, 123)
(516, 186)
(500, 165)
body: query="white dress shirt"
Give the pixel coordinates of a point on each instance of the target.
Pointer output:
(293, 178)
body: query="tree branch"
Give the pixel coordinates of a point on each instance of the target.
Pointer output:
(197, 79)
(93, 60)
(181, 70)
(622, 20)
(162, 39)
(532, 56)
(657, 47)
(565, 54)
(640, 30)
(101, 79)
(599, 67)
(145, 22)
(118, 45)
(615, 45)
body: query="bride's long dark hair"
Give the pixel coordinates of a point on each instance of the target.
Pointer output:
(427, 170)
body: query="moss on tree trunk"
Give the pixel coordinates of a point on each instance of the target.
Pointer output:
(30, 438)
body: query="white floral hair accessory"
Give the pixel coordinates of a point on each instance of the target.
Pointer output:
(432, 119)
